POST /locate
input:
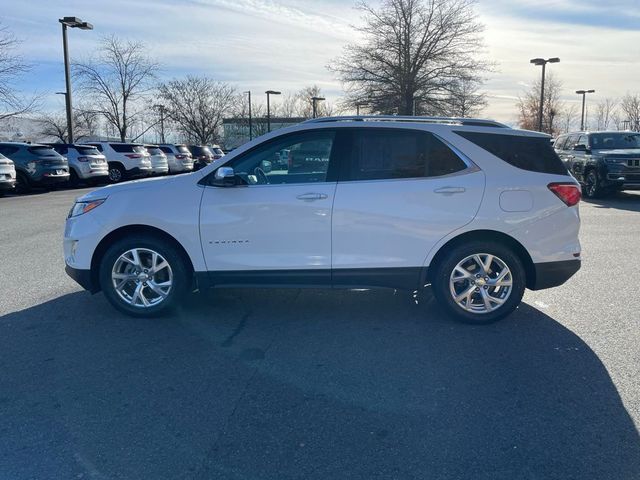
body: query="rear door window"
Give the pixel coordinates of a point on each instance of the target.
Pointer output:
(534, 154)
(383, 153)
(559, 143)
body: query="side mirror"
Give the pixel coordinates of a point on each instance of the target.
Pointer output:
(224, 177)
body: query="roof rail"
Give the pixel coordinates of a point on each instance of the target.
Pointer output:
(472, 122)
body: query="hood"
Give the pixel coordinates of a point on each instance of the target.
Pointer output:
(142, 184)
(621, 153)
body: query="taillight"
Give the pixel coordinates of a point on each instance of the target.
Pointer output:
(133, 155)
(569, 193)
(83, 159)
(180, 156)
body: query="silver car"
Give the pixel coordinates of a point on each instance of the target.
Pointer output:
(159, 164)
(178, 156)
(86, 163)
(7, 175)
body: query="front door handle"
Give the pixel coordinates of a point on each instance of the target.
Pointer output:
(450, 190)
(311, 196)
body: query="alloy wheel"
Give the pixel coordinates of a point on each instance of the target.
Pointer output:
(115, 175)
(481, 283)
(142, 277)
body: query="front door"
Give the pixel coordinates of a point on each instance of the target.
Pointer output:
(274, 226)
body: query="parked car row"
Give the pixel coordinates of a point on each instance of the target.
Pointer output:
(24, 166)
(603, 162)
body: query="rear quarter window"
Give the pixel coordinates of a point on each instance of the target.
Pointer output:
(534, 154)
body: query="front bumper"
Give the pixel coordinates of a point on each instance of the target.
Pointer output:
(82, 278)
(553, 274)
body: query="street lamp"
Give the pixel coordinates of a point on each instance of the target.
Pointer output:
(72, 22)
(584, 96)
(315, 100)
(542, 62)
(250, 119)
(269, 92)
(161, 108)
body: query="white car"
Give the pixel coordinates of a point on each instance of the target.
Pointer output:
(475, 209)
(7, 175)
(178, 156)
(159, 162)
(86, 163)
(126, 160)
(217, 152)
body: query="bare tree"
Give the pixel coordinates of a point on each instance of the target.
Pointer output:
(529, 106)
(568, 118)
(55, 125)
(412, 50)
(604, 110)
(118, 81)
(630, 106)
(465, 98)
(11, 68)
(198, 105)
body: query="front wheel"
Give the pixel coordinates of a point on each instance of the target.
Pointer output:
(592, 187)
(479, 282)
(143, 277)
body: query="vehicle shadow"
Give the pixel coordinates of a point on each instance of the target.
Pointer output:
(620, 201)
(304, 384)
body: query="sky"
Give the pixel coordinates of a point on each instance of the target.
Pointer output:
(286, 44)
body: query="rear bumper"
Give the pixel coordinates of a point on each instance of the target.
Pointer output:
(82, 278)
(49, 179)
(6, 185)
(139, 172)
(553, 274)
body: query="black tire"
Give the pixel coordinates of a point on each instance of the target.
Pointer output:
(74, 180)
(23, 185)
(592, 187)
(116, 173)
(178, 264)
(446, 265)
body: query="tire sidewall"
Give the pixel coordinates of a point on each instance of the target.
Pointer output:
(171, 255)
(440, 283)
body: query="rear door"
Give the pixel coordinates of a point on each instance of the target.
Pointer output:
(399, 193)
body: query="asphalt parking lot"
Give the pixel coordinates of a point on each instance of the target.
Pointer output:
(310, 384)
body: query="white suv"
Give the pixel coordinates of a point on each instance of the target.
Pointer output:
(474, 208)
(126, 160)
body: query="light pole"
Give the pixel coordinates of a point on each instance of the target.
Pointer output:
(162, 109)
(314, 101)
(250, 119)
(269, 92)
(542, 62)
(73, 22)
(584, 96)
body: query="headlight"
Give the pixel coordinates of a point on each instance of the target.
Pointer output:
(80, 208)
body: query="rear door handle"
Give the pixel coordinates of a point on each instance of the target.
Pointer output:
(450, 190)
(311, 196)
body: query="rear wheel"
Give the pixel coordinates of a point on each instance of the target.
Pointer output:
(22, 183)
(143, 277)
(116, 173)
(479, 282)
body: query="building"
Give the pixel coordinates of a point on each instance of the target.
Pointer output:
(236, 130)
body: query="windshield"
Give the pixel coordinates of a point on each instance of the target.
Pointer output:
(615, 141)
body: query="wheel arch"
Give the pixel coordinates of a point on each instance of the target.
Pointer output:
(123, 232)
(491, 236)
